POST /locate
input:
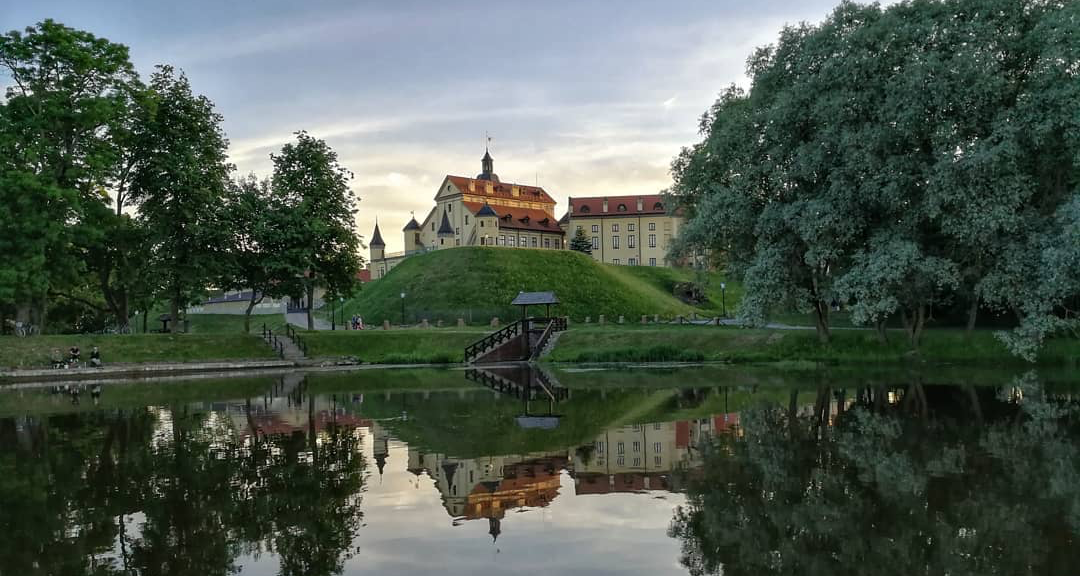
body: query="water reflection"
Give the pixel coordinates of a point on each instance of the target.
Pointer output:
(520, 471)
(888, 480)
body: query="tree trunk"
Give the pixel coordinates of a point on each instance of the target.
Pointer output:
(145, 318)
(917, 324)
(973, 313)
(310, 305)
(247, 313)
(174, 313)
(821, 321)
(882, 331)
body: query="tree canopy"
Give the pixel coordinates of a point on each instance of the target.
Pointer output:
(896, 160)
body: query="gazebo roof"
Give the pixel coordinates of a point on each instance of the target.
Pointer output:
(531, 298)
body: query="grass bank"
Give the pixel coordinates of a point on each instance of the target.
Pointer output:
(728, 344)
(34, 352)
(476, 283)
(409, 346)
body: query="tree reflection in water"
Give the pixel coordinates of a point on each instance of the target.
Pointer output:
(919, 480)
(167, 491)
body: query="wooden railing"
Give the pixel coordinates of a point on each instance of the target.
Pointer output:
(491, 341)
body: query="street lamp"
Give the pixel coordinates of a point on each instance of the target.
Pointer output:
(402, 308)
(333, 316)
(341, 300)
(723, 297)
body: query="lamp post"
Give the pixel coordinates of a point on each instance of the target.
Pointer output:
(402, 308)
(333, 315)
(341, 301)
(723, 298)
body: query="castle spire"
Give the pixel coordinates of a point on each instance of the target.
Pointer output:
(376, 237)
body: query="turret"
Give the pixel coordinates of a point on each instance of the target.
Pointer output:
(487, 225)
(412, 236)
(446, 231)
(378, 247)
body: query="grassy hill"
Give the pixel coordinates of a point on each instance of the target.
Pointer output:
(477, 283)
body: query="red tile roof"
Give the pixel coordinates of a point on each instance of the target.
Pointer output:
(520, 218)
(594, 206)
(501, 189)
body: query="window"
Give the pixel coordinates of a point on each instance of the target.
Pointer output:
(457, 241)
(657, 447)
(432, 226)
(622, 448)
(547, 241)
(481, 223)
(631, 241)
(449, 207)
(595, 228)
(534, 240)
(441, 241)
(595, 243)
(656, 426)
(621, 208)
(631, 227)
(657, 460)
(466, 219)
(667, 225)
(513, 241)
(637, 446)
(652, 261)
(652, 226)
(614, 241)
(600, 447)
(632, 261)
(614, 227)
(652, 240)
(457, 231)
(482, 240)
(615, 261)
(637, 462)
(658, 206)
(620, 461)
(585, 210)
(502, 240)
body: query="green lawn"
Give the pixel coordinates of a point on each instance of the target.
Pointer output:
(476, 283)
(631, 343)
(34, 352)
(410, 346)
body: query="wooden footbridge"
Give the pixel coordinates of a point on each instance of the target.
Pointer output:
(521, 341)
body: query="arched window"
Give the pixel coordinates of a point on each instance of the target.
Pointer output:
(658, 206)
(585, 210)
(621, 208)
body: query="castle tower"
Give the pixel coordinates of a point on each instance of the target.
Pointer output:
(378, 247)
(412, 236)
(487, 225)
(445, 232)
(487, 165)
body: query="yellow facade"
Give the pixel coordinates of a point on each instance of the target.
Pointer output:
(638, 235)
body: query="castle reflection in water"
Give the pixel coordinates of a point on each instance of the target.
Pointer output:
(634, 458)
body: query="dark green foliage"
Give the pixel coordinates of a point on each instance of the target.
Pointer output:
(580, 242)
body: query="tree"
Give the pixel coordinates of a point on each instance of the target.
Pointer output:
(66, 87)
(257, 255)
(580, 242)
(318, 218)
(179, 181)
(882, 158)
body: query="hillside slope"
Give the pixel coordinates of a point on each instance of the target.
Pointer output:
(477, 283)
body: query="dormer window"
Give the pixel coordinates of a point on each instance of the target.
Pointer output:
(658, 206)
(621, 208)
(585, 210)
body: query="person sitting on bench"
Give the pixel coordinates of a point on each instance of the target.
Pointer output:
(55, 359)
(74, 355)
(95, 358)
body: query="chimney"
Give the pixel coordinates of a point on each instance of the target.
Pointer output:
(489, 188)
(605, 206)
(570, 204)
(640, 203)
(472, 185)
(514, 191)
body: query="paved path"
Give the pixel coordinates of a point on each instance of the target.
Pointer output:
(299, 319)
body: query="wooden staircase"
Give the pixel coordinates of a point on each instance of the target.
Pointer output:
(522, 341)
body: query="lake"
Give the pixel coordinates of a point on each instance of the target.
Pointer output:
(517, 470)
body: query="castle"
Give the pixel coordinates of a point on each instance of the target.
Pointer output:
(484, 211)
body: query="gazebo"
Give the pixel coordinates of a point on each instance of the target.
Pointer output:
(526, 299)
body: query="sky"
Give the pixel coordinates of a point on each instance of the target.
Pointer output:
(586, 98)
